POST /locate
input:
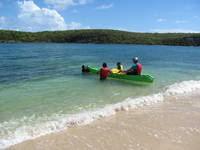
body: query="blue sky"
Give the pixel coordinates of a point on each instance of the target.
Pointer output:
(129, 15)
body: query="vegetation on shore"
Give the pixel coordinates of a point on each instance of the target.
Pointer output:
(102, 36)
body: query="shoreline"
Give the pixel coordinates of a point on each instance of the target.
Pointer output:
(172, 124)
(19, 42)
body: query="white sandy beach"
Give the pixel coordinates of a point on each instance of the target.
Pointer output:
(170, 125)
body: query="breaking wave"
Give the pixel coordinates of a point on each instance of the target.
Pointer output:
(19, 130)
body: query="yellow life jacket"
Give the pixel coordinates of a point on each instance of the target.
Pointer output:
(116, 70)
(122, 67)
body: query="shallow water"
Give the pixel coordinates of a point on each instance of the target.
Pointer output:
(42, 89)
(172, 124)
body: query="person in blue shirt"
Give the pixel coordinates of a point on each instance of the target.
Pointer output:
(136, 68)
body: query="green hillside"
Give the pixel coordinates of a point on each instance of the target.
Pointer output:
(102, 36)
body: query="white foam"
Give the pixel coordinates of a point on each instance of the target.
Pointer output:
(60, 122)
(182, 88)
(16, 131)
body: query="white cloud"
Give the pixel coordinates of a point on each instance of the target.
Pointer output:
(35, 18)
(40, 18)
(62, 4)
(83, 2)
(2, 20)
(121, 29)
(75, 25)
(104, 6)
(181, 21)
(161, 20)
(175, 31)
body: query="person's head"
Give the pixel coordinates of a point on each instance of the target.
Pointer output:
(135, 60)
(83, 67)
(104, 64)
(118, 63)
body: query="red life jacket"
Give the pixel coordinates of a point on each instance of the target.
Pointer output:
(104, 72)
(139, 69)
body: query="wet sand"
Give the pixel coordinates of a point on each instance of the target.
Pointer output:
(170, 125)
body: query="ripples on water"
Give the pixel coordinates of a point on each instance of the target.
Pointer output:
(42, 83)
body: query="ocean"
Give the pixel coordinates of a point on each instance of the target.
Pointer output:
(42, 89)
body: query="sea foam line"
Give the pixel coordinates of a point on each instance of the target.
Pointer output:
(10, 135)
(182, 88)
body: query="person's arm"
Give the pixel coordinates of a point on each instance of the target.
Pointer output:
(125, 71)
(130, 69)
(98, 72)
(110, 71)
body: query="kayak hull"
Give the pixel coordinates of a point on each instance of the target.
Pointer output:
(145, 78)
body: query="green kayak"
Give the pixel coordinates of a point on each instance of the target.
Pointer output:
(145, 78)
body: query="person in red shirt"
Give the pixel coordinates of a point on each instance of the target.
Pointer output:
(104, 72)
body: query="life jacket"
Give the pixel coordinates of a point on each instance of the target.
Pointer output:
(104, 72)
(120, 68)
(139, 69)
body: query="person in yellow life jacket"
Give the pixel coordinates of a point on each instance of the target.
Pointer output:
(120, 67)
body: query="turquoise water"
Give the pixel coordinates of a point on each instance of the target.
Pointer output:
(41, 84)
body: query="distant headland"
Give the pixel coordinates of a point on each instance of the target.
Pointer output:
(101, 36)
